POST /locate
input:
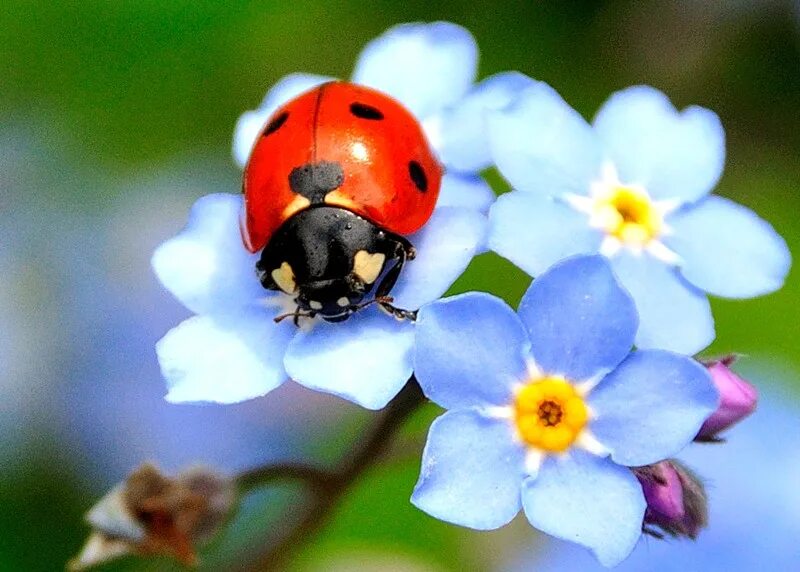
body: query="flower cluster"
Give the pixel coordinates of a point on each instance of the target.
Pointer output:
(549, 409)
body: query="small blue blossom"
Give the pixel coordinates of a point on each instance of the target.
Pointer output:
(548, 407)
(755, 513)
(634, 187)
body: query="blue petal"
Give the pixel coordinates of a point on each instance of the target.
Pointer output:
(471, 472)
(424, 66)
(224, 359)
(206, 266)
(674, 155)
(468, 191)
(651, 406)
(445, 246)
(673, 314)
(461, 137)
(536, 231)
(581, 322)
(589, 501)
(470, 351)
(727, 250)
(251, 123)
(542, 145)
(366, 360)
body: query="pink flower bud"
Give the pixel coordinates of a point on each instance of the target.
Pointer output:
(676, 499)
(738, 399)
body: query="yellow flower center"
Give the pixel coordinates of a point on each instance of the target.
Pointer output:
(550, 414)
(629, 214)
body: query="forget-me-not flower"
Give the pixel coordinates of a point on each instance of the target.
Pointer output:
(755, 508)
(633, 186)
(548, 407)
(232, 350)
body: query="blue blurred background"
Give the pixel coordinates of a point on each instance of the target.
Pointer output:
(117, 115)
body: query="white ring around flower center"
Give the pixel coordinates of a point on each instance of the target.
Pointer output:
(627, 215)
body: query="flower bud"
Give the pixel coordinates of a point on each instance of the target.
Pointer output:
(150, 514)
(738, 399)
(676, 499)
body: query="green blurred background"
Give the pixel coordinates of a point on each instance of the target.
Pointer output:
(116, 115)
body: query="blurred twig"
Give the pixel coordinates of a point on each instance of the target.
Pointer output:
(262, 476)
(327, 486)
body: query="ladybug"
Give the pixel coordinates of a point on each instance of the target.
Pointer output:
(335, 180)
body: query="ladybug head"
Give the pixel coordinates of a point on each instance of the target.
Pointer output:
(334, 300)
(330, 259)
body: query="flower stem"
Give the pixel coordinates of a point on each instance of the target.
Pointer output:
(328, 486)
(258, 477)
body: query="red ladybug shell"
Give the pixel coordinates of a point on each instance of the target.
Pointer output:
(372, 157)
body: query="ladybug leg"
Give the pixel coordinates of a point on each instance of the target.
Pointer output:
(403, 251)
(399, 313)
(410, 251)
(300, 314)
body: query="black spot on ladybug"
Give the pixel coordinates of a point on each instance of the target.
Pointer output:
(365, 111)
(417, 174)
(315, 180)
(276, 123)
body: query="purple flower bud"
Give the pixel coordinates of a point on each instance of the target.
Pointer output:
(738, 399)
(676, 499)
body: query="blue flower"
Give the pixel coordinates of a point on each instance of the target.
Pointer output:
(755, 508)
(633, 186)
(548, 407)
(429, 68)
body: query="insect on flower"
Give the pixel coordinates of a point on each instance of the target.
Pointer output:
(338, 176)
(340, 183)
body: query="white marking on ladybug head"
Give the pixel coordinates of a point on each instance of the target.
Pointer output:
(314, 305)
(284, 278)
(299, 202)
(343, 302)
(368, 266)
(339, 199)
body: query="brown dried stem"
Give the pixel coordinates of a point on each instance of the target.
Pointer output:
(327, 486)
